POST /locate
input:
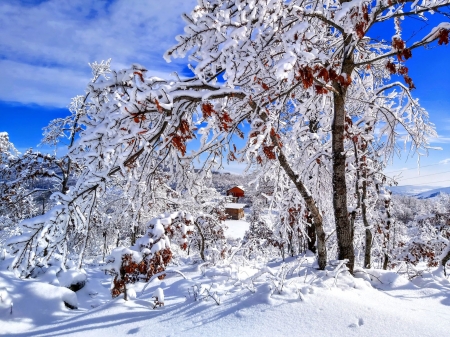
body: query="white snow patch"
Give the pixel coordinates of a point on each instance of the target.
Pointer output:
(236, 228)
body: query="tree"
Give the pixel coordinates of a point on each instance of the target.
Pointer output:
(301, 77)
(274, 51)
(26, 181)
(130, 126)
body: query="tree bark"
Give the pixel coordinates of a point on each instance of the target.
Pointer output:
(83, 247)
(368, 243)
(125, 295)
(386, 239)
(445, 260)
(104, 246)
(134, 235)
(344, 230)
(311, 231)
(202, 243)
(310, 203)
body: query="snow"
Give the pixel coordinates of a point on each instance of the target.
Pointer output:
(159, 295)
(234, 206)
(237, 186)
(34, 303)
(69, 277)
(236, 228)
(331, 303)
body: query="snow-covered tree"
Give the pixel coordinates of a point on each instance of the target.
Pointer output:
(309, 53)
(299, 75)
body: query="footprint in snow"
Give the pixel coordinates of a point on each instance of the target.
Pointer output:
(355, 325)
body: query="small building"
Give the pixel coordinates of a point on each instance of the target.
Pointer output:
(235, 211)
(236, 191)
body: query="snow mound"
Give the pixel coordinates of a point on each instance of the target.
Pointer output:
(34, 303)
(72, 279)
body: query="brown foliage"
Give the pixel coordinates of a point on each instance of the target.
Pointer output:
(183, 134)
(261, 83)
(391, 67)
(323, 74)
(443, 37)
(139, 74)
(225, 121)
(344, 81)
(320, 90)
(231, 156)
(131, 271)
(207, 110)
(359, 27)
(398, 44)
(402, 70)
(277, 136)
(224, 118)
(305, 74)
(184, 128)
(269, 152)
(179, 143)
(158, 106)
(239, 133)
(409, 81)
(421, 251)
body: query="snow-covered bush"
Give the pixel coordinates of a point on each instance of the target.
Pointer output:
(151, 253)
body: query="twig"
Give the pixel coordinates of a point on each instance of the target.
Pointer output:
(363, 271)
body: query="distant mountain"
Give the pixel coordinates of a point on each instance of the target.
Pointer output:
(410, 190)
(433, 193)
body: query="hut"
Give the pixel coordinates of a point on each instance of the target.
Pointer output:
(235, 211)
(236, 191)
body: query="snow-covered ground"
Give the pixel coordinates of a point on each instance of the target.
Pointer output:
(236, 298)
(236, 228)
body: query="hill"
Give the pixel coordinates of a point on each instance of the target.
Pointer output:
(410, 190)
(433, 193)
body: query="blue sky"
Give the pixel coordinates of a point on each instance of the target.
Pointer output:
(45, 48)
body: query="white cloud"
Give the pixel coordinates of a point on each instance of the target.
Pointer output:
(45, 48)
(440, 140)
(445, 161)
(41, 85)
(46, 86)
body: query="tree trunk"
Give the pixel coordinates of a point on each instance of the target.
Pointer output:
(316, 216)
(83, 247)
(311, 231)
(386, 239)
(309, 201)
(368, 243)
(344, 230)
(291, 242)
(202, 243)
(104, 246)
(125, 295)
(134, 235)
(445, 260)
(66, 176)
(385, 261)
